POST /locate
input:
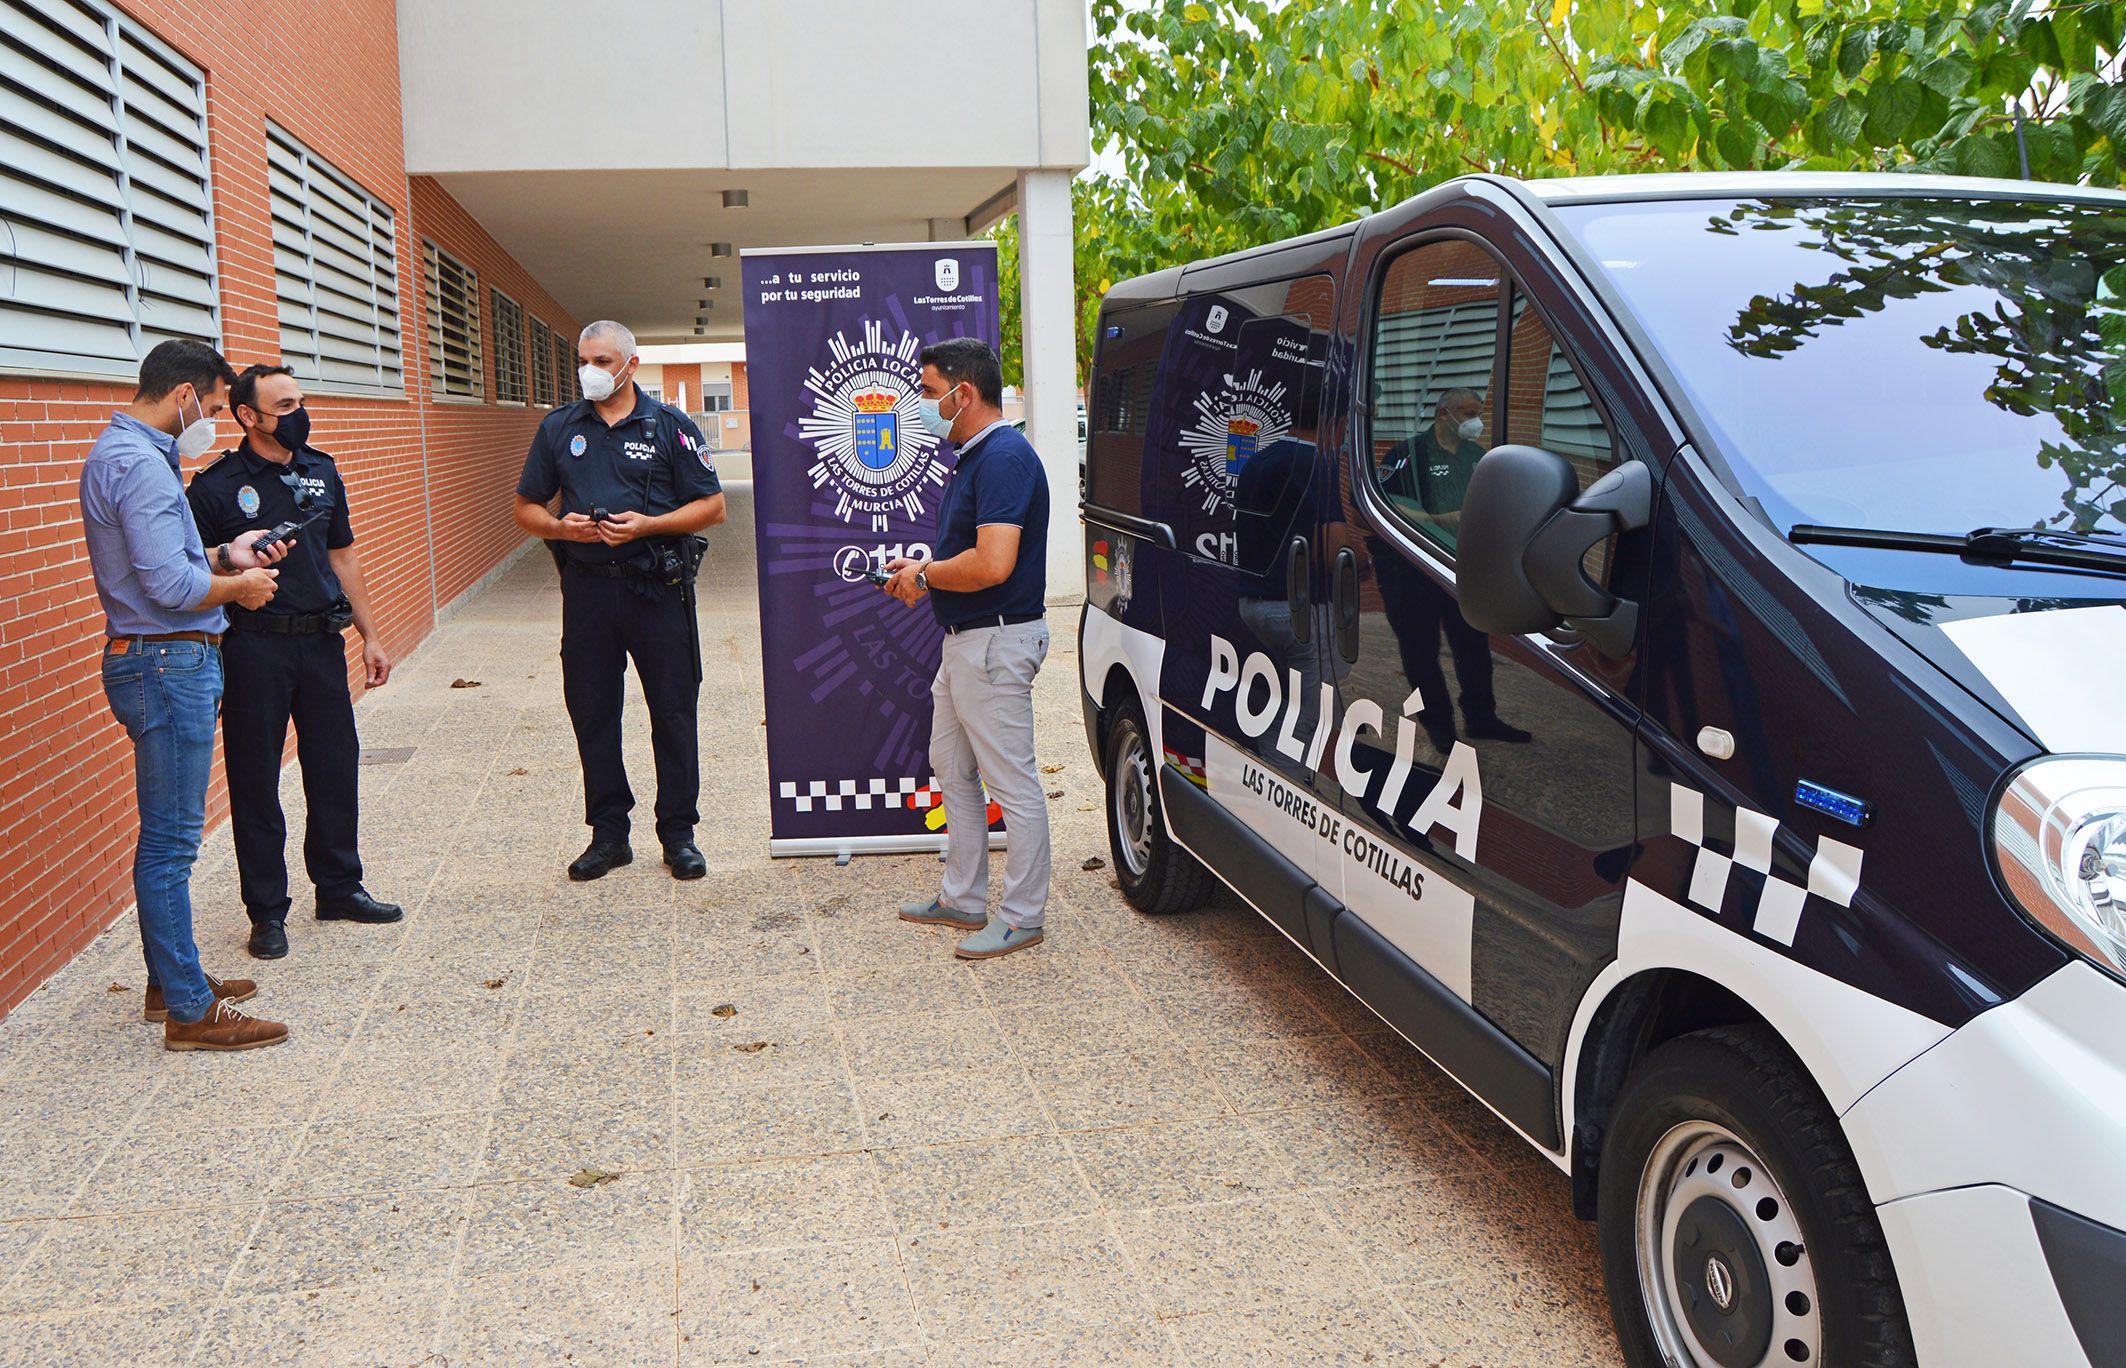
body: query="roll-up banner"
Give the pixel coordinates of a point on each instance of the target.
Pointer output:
(845, 478)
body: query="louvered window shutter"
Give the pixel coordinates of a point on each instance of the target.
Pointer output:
(106, 219)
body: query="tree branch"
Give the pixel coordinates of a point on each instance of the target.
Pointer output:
(1385, 160)
(1563, 60)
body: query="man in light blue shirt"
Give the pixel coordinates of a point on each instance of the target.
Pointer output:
(162, 604)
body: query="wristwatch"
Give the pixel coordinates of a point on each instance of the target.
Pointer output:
(221, 558)
(922, 581)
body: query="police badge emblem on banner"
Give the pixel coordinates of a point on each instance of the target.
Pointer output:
(845, 479)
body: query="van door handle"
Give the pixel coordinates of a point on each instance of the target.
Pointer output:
(1345, 602)
(1298, 575)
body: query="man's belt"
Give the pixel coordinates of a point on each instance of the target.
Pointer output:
(121, 645)
(607, 569)
(995, 620)
(286, 624)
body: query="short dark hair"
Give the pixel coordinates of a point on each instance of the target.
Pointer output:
(181, 361)
(245, 390)
(968, 361)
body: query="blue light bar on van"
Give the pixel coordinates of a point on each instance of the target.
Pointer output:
(1829, 801)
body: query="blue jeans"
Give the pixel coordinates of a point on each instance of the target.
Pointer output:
(166, 694)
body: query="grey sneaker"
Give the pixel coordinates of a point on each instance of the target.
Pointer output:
(1000, 937)
(935, 913)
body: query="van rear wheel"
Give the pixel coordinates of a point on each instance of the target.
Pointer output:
(1157, 876)
(1735, 1228)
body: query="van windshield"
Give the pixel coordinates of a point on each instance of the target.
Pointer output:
(1930, 365)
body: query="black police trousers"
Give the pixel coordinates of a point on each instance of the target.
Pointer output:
(605, 623)
(1419, 611)
(270, 681)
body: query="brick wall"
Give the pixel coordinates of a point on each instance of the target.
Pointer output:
(412, 466)
(687, 378)
(475, 451)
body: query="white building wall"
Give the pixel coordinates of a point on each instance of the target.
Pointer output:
(520, 85)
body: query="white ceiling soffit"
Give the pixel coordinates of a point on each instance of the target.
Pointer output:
(635, 245)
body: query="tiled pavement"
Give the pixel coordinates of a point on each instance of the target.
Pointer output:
(1148, 1141)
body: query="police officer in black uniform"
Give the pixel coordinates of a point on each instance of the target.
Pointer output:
(636, 483)
(287, 661)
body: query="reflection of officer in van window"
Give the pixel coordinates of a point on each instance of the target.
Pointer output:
(1431, 468)
(1274, 500)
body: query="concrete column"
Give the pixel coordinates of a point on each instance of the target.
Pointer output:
(1047, 305)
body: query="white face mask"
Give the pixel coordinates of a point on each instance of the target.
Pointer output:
(598, 383)
(933, 419)
(198, 435)
(1471, 430)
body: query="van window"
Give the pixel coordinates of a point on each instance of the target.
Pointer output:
(1547, 406)
(1433, 367)
(1125, 369)
(1234, 415)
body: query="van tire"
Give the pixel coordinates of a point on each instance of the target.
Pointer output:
(1736, 1102)
(1156, 875)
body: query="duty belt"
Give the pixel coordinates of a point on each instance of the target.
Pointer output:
(607, 569)
(286, 624)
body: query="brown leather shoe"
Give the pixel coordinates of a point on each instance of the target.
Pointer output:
(225, 990)
(222, 1028)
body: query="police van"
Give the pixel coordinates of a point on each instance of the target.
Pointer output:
(1660, 642)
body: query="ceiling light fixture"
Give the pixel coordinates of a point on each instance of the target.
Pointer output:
(735, 199)
(720, 249)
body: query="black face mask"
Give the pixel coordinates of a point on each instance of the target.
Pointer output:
(292, 430)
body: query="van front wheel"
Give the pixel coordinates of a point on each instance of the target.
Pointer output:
(1735, 1228)
(1156, 875)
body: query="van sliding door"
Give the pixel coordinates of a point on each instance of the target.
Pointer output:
(1240, 477)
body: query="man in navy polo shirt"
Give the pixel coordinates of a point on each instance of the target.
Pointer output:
(987, 587)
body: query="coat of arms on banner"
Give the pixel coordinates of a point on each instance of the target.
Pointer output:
(948, 273)
(874, 456)
(1232, 422)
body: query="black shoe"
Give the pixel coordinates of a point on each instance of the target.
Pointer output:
(599, 858)
(269, 940)
(685, 860)
(1440, 734)
(357, 906)
(1491, 729)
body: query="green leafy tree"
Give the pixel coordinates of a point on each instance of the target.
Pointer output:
(1011, 351)
(1238, 122)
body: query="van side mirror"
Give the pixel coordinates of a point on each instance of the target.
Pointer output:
(1525, 533)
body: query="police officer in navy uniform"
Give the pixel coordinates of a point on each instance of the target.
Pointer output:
(287, 661)
(636, 483)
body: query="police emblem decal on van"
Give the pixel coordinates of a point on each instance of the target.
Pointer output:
(1242, 416)
(1834, 872)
